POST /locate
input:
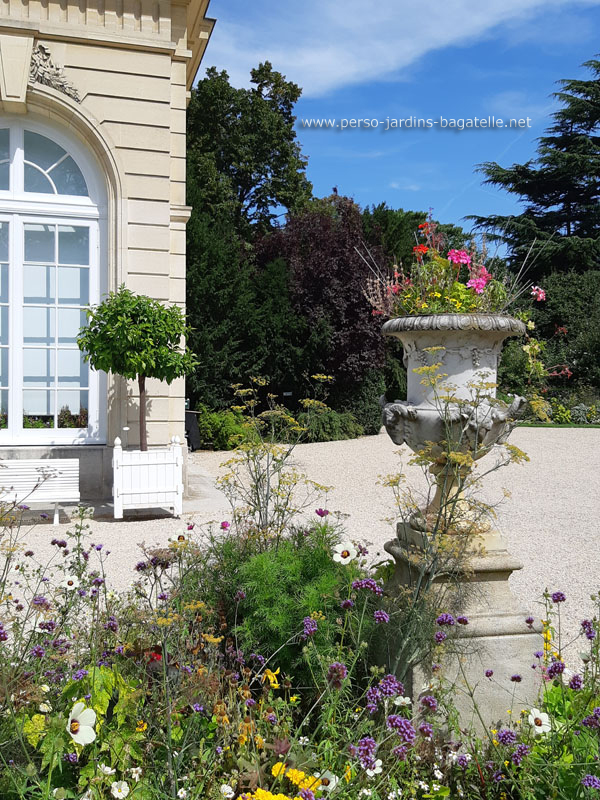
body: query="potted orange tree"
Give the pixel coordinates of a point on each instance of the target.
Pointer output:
(138, 338)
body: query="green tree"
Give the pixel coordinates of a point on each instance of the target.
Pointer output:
(395, 231)
(136, 337)
(244, 161)
(245, 168)
(560, 189)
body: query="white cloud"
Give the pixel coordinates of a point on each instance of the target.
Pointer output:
(405, 187)
(324, 45)
(519, 104)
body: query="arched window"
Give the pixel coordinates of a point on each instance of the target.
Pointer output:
(50, 251)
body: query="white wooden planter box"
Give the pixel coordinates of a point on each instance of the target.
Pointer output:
(149, 479)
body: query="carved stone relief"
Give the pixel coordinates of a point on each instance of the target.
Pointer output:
(43, 70)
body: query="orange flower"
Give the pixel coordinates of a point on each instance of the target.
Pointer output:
(420, 249)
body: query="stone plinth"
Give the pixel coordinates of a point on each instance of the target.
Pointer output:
(496, 637)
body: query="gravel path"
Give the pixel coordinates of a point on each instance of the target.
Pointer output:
(550, 521)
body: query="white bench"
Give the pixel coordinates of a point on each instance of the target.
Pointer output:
(43, 480)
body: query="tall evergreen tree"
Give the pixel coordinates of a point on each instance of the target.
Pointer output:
(244, 168)
(560, 188)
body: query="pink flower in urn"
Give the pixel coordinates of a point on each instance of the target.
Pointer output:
(479, 280)
(538, 293)
(459, 257)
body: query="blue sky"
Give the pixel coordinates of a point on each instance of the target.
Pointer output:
(458, 59)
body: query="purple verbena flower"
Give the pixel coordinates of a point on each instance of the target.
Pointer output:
(381, 617)
(520, 753)
(429, 703)
(390, 686)
(403, 727)
(576, 683)
(445, 619)
(37, 651)
(590, 782)
(516, 678)
(336, 673)
(439, 637)
(489, 673)
(558, 597)
(347, 604)
(588, 629)
(240, 595)
(555, 669)
(506, 736)
(426, 730)
(462, 620)
(310, 627)
(370, 584)
(529, 621)
(400, 752)
(366, 749)
(321, 512)
(462, 761)
(373, 698)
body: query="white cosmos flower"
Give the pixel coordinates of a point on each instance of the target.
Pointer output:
(377, 769)
(81, 724)
(438, 774)
(344, 553)
(303, 740)
(106, 770)
(182, 794)
(44, 688)
(119, 789)
(328, 781)
(227, 791)
(539, 721)
(70, 582)
(45, 708)
(402, 701)
(136, 773)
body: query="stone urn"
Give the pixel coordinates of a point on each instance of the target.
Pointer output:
(452, 366)
(451, 413)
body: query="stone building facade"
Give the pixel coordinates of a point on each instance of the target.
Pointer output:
(92, 196)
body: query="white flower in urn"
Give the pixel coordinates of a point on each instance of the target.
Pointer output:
(344, 553)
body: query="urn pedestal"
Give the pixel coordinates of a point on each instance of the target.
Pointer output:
(497, 637)
(451, 412)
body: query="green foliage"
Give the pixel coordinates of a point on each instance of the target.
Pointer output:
(328, 425)
(569, 320)
(244, 161)
(286, 584)
(133, 335)
(220, 430)
(560, 414)
(362, 401)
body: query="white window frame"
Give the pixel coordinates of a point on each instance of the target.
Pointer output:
(18, 208)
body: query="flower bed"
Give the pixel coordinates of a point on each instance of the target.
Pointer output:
(244, 665)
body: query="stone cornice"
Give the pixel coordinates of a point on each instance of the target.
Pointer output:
(455, 322)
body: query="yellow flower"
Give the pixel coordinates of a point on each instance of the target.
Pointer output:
(295, 776)
(277, 769)
(294, 698)
(141, 726)
(259, 742)
(242, 739)
(208, 637)
(271, 677)
(348, 773)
